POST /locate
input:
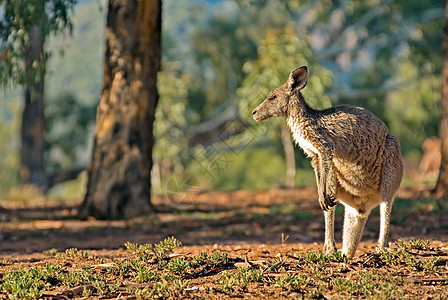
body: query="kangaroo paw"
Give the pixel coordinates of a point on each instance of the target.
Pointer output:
(327, 202)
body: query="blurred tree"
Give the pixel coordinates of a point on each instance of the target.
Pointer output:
(441, 188)
(10, 162)
(412, 112)
(24, 29)
(119, 172)
(173, 117)
(69, 122)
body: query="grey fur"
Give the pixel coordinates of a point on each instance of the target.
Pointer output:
(356, 160)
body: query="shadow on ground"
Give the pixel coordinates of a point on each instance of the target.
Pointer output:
(241, 217)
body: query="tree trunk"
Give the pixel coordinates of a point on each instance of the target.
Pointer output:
(119, 172)
(441, 188)
(289, 156)
(33, 120)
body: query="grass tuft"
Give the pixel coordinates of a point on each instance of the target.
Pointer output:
(291, 282)
(149, 272)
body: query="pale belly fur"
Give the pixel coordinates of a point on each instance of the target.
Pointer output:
(303, 143)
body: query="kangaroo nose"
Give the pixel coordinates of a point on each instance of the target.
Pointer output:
(254, 111)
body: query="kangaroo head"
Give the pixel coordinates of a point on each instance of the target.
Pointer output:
(277, 102)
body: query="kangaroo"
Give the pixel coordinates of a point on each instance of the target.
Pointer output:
(357, 162)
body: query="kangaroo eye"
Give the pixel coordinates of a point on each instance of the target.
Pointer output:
(272, 98)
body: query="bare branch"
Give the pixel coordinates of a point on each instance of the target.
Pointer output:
(338, 45)
(208, 130)
(364, 93)
(378, 41)
(64, 175)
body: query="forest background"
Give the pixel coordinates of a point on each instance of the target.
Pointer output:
(219, 60)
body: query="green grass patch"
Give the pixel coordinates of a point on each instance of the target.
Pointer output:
(147, 271)
(369, 284)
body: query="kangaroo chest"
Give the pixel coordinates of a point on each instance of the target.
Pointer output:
(305, 144)
(298, 134)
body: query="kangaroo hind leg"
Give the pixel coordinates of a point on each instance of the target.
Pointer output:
(354, 222)
(329, 245)
(390, 182)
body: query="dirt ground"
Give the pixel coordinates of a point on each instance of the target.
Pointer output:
(249, 226)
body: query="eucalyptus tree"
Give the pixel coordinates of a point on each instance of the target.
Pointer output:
(25, 27)
(441, 188)
(119, 178)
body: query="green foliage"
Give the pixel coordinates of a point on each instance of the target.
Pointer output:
(100, 286)
(50, 252)
(430, 264)
(405, 207)
(397, 256)
(248, 275)
(291, 282)
(427, 35)
(20, 18)
(154, 292)
(29, 283)
(289, 209)
(200, 259)
(76, 277)
(310, 274)
(220, 54)
(69, 123)
(369, 284)
(242, 25)
(403, 255)
(142, 272)
(24, 284)
(230, 281)
(157, 251)
(172, 118)
(178, 265)
(413, 112)
(228, 171)
(120, 268)
(73, 85)
(321, 258)
(75, 253)
(76, 67)
(67, 133)
(417, 244)
(320, 276)
(171, 113)
(218, 259)
(9, 157)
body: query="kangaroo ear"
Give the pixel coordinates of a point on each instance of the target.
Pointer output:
(298, 78)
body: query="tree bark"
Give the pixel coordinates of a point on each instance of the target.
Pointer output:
(441, 188)
(119, 172)
(33, 120)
